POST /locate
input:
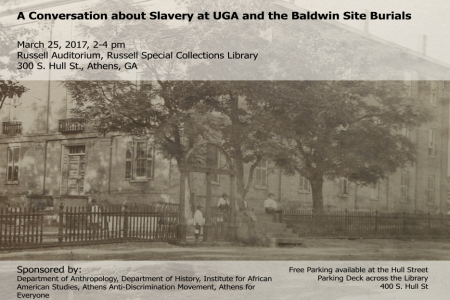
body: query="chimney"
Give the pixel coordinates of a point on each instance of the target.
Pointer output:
(422, 44)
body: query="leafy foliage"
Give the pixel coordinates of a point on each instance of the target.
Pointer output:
(9, 89)
(171, 114)
(321, 129)
(348, 129)
(9, 86)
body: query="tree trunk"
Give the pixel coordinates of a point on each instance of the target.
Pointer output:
(239, 165)
(236, 138)
(316, 187)
(3, 98)
(236, 145)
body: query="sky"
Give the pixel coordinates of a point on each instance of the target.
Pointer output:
(431, 18)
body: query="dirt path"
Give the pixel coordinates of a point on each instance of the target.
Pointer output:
(312, 249)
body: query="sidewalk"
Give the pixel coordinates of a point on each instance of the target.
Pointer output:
(312, 249)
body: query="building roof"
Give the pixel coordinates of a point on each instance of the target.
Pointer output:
(364, 34)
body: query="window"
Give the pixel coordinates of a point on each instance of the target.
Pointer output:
(76, 160)
(129, 160)
(139, 160)
(432, 142)
(406, 132)
(77, 150)
(430, 190)
(261, 174)
(433, 93)
(404, 186)
(15, 109)
(343, 187)
(305, 187)
(144, 87)
(374, 191)
(12, 172)
(409, 77)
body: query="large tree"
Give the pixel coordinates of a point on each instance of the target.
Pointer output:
(171, 114)
(180, 114)
(352, 129)
(257, 112)
(244, 135)
(178, 109)
(155, 105)
(9, 72)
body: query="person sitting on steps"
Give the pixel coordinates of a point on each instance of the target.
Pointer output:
(271, 207)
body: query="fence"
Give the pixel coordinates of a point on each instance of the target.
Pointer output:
(31, 227)
(220, 222)
(12, 128)
(366, 224)
(21, 226)
(71, 125)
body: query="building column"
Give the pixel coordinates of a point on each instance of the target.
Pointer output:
(232, 227)
(182, 208)
(208, 229)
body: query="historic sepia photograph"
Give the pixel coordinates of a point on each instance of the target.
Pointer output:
(293, 141)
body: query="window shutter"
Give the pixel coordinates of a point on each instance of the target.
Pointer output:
(10, 164)
(433, 93)
(347, 186)
(343, 186)
(16, 163)
(258, 176)
(304, 184)
(149, 160)
(64, 170)
(129, 160)
(431, 142)
(141, 160)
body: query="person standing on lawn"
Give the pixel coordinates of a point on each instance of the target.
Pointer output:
(198, 222)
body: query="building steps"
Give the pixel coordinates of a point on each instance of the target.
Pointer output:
(269, 228)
